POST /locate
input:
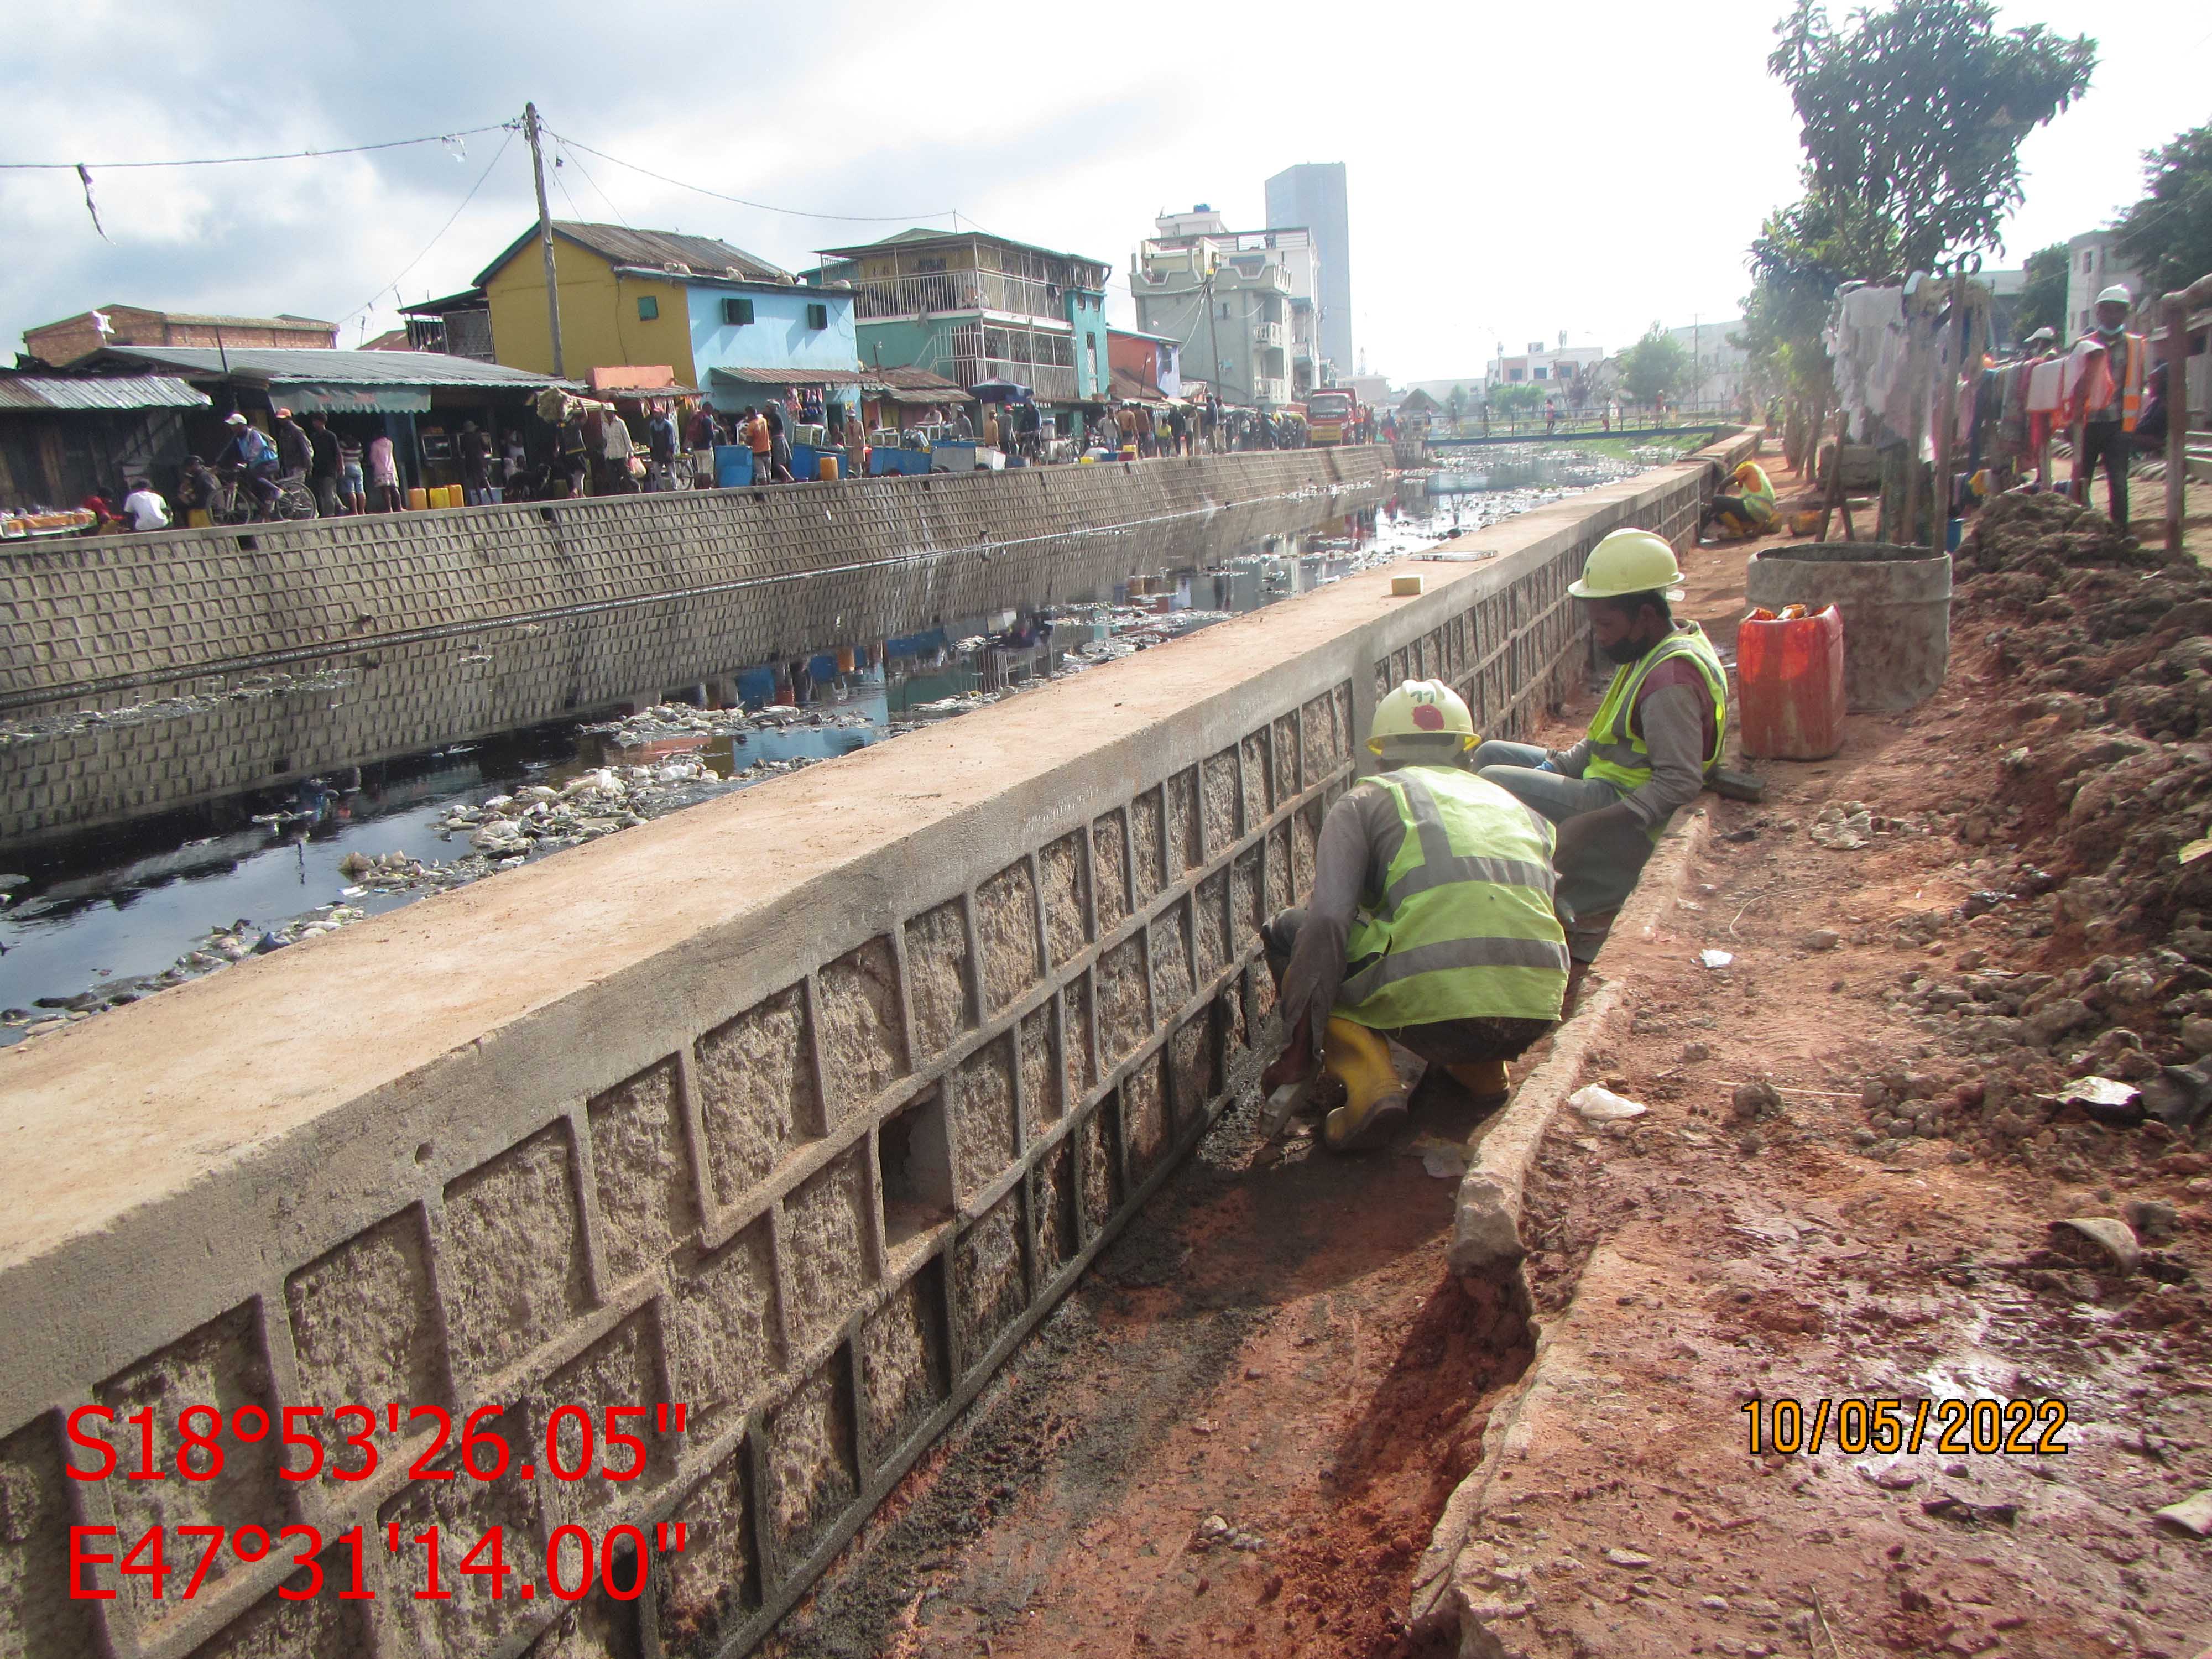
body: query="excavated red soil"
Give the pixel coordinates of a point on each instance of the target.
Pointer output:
(1274, 1358)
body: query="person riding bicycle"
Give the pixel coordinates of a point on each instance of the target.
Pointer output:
(254, 456)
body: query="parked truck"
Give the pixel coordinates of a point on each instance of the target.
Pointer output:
(1332, 416)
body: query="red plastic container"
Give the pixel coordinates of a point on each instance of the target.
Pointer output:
(1790, 680)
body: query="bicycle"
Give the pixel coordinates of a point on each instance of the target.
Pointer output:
(236, 504)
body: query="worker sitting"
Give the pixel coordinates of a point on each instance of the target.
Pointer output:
(1430, 922)
(1654, 740)
(1749, 512)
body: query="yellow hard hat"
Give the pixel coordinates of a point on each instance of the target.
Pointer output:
(1421, 709)
(1629, 562)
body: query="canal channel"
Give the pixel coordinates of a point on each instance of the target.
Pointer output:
(91, 919)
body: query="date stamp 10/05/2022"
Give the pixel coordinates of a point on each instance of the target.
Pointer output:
(1956, 1427)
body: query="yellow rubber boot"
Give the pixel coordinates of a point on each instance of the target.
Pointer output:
(1373, 1107)
(1487, 1081)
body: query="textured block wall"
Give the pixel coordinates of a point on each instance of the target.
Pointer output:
(814, 1175)
(444, 627)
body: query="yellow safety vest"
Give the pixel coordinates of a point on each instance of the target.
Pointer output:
(1618, 755)
(1463, 927)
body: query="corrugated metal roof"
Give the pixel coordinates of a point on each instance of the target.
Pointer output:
(657, 249)
(430, 368)
(134, 392)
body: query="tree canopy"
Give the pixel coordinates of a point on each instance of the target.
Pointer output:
(1914, 112)
(1656, 366)
(1511, 397)
(2042, 299)
(2167, 237)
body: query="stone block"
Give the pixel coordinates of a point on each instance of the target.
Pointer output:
(220, 1365)
(813, 1473)
(1172, 979)
(1305, 837)
(826, 1259)
(622, 1368)
(714, 1582)
(1042, 1092)
(317, 1626)
(1259, 778)
(937, 975)
(1288, 776)
(1006, 934)
(513, 1273)
(863, 1028)
(1076, 1047)
(1125, 1006)
(988, 1293)
(363, 1325)
(1278, 872)
(1190, 1057)
(1209, 919)
(1052, 1211)
(1186, 824)
(1223, 799)
(596, 1627)
(1110, 846)
(902, 1368)
(983, 1117)
(463, 1510)
(1147, 843)
(1144, 1126)
(645, 1201)
(1101, 1165)
(1066, 899)
(758, 1095)
(724, 1335)
(38, 1615)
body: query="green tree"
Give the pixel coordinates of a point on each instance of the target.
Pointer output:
(1912, 114)
(2042, 299)
(1513, 399)
(1656, 366)
(2167, 236)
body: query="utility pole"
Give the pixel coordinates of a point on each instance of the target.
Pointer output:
(545, 238)
(1212, 329)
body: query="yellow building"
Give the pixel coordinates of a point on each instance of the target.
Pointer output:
(623, 296)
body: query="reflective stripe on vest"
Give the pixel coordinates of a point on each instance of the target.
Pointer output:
(1460, 933)
(1618, 756)
(2131, 384)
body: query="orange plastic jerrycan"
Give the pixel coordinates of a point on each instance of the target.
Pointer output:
(1790, 677)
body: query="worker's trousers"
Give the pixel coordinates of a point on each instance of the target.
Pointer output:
(1590, 887)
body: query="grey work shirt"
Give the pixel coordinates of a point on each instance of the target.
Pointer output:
(1359, 839)
(1673, 715)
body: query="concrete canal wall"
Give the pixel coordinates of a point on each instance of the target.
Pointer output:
(438, 627)
(800, 1106)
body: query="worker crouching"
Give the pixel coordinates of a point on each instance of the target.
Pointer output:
(1430, 922)
(1747, 510)
(1655, 739)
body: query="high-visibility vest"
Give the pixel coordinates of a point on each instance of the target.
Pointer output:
(1463, 927)
(2131, 381)
(1618, 755)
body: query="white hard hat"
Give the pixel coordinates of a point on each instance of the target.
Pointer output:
(2117, 294)
(234, 419)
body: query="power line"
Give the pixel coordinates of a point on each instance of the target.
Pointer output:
(763, 207)
(369, 304)
(594, 184)
(234, 161)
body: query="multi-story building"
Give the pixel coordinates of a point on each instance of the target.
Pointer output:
(1146, 366)
(1313, 195)
(974, 307)
(72, 338)
(1718, 366)
(1549, 367)
(1231, 299)
(2090, 269)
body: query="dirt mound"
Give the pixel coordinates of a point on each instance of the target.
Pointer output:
(2096, 675)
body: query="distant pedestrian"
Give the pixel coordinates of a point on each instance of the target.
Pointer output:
(779, 442)
(384, 473)
(323, 465)
(197, 492)
(660, 435)
(574, 450)
(294, 453)
(754, 435)
(353, 489)
(963, 428)
(144, 507)
(476, 466)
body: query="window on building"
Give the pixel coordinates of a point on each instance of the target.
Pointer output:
(1540, 374)
(1091, 342)
(2088, 260)
(737, 312)
(1513, 374)
(1224, 307)
(647, 307)
(818, 317)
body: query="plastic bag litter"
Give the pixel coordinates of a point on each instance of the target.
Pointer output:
(1599, 1104)
(1444, 1159)
(1715, 958)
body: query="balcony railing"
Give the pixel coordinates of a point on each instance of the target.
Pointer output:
(877, 297)
(1268, 390)
(1266, 334)
(1051, 381)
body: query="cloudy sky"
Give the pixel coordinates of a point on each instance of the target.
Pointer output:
(1514, 172)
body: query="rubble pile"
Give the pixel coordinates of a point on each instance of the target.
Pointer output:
(2101, 671)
